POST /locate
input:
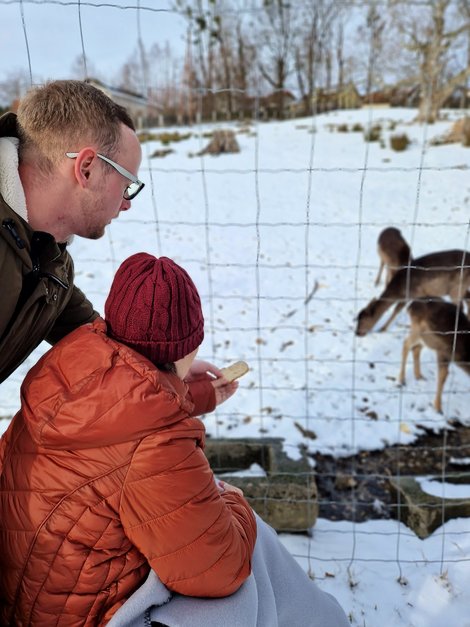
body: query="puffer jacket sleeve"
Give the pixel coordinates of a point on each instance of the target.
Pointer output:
(201, 393)
(78, 311)
(198, 540)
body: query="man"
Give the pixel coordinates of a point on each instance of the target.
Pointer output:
(68, 166)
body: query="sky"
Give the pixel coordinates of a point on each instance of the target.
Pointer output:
(44, 39)
(54, 38)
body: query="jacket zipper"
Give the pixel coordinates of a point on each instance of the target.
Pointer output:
(10, 226)
(52, 277)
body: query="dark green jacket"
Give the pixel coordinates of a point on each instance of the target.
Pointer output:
(38, 299)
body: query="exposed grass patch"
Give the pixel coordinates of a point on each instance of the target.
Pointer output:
(399, 142)
(165, 138)
(372, 134)
(357, 128)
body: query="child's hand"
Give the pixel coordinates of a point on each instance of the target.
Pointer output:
(204, 369)
(228, 487)
(223, 389)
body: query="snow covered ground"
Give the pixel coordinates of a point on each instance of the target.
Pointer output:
(281, 241)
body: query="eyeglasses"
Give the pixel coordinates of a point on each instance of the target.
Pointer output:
(131, 190)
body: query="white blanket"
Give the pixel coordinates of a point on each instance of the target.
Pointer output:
(278, 593)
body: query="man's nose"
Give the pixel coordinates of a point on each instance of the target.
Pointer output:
(125, 205)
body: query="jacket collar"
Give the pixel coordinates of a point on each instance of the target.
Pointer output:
(11, 188)
(8, 125)
(10, 183)
(12, 199)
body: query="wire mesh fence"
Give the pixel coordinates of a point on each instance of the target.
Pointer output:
(281, 239)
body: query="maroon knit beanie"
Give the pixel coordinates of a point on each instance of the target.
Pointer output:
(154, 307)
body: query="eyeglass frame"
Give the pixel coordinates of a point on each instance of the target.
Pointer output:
(121, 170)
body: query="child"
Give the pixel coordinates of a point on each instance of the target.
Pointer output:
(109, 510)
(104, 475)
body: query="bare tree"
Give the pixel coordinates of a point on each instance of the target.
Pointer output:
(129, 76)
(14, 86)
(340, 53)
(204, 26)
(375, 55)
(83, 68)
(276, 31)
(375, 26)
(219, 63)
(166, 90)
(314, 48)
(464, 6)
(432, 33)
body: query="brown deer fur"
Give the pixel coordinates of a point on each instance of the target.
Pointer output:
(438, 274)
(444, 328)
(394, 253)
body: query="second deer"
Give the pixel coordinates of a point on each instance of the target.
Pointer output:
(438, 274)
(444, 328)
(394, 253)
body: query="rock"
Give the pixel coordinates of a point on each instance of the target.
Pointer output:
(459, 132)
(422, 512)
(160, 153)
(287, 498)
(287, 502)
(466, 132)
(345, 482)
(221, 142)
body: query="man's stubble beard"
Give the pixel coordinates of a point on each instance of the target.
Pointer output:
(93, 230)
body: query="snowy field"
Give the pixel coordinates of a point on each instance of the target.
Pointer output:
(281, 241)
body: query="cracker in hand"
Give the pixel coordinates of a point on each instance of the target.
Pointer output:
(236, 370)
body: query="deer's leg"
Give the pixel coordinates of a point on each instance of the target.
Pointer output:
(416, 361)
(412, 342)
(396, 311)
(442, 372)
(381, 267)
(404, 356)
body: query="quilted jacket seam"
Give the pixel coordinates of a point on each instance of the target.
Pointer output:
(90, 549)
(162, 516)
(152, 474)
(40, 527)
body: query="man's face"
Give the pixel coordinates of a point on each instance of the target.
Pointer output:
(109, 186)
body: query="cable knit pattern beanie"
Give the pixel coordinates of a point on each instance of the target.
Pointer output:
(154, 307)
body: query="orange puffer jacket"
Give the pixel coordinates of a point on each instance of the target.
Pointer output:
(103, 476)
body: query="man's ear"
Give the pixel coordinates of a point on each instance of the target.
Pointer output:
(85, 161)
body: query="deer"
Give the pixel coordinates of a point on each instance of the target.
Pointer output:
(444, 328)
(437, 274)
(394, 253)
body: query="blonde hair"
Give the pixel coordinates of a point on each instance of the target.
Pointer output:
(63, 116)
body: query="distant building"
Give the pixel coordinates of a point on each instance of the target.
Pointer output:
(137, 105)
(339, 97)
(405, 96)
(458, 99)
(277, 104)
(379, 97)
(410, 96)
